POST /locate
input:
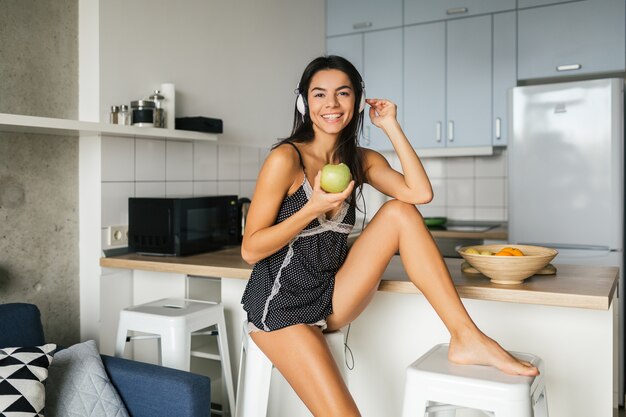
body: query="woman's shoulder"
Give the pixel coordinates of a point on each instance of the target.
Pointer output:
(284, 156)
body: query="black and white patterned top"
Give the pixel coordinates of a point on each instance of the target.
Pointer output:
(295, 284)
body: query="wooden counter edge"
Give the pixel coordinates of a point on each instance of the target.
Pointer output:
(178, 268)
(513, 296)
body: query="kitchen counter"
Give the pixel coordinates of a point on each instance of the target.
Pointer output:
(572, 286)
(565, 319)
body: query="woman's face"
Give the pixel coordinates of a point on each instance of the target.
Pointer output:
(331, 99)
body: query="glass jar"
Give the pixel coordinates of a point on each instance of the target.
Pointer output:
(123, 117)
(114, 115)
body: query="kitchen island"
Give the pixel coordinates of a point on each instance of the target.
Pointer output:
(569, 319)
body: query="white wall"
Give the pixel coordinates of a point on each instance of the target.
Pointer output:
(238, 60)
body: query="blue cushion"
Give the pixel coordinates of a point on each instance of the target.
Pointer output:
(155, 391)
(20, 325)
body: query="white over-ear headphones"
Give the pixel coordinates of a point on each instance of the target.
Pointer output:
(302, 105)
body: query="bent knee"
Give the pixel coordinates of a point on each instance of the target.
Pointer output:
(400, 209)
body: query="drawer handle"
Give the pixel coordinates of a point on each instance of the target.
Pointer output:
(498, 128)
(451, 130)
(457, 10)
(438, 132)
(570, 67)
(362, 25)
(366, 135)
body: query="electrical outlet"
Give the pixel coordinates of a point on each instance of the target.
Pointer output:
(118, 235)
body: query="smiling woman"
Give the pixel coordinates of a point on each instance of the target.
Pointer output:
(305, 281)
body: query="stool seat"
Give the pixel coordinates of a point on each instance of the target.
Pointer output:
(433, 383)
(175, 321)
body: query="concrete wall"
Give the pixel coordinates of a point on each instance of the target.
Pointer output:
(38, 173)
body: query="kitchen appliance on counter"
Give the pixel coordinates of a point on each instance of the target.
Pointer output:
(182, 226)
(566, 175)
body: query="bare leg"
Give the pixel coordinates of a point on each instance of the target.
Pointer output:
(303, 357)
(399, 226)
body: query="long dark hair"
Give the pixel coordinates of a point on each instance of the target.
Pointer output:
(347, 150)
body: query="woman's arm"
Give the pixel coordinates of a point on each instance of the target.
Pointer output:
(261, 236)
(414, 186)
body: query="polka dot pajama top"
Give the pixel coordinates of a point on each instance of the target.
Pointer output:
(295, 284)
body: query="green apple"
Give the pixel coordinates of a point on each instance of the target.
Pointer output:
(335, 178)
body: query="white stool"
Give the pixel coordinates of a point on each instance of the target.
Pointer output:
(255, 371)
(438, 387)
(174, 321)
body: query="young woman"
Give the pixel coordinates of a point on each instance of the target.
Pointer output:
(305, 281)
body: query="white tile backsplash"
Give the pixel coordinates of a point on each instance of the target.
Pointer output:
(204, 161)
(460, 192)
(228, 162)
(460, 213)
(150, 189)
(115, 202)
(435, 167)
(228, 188)
(149, 160)
(489, 192)
(482, 213)
(246, 188)
(178, 161)
(203, 188)
(179, 189)
(118, 159)
(248, 163)
(461, 167)
(439, 192)
(493, 166)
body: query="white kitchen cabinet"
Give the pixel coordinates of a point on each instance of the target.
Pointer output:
(448, 97)
(504, 73)
(567, 39)
(349, 47)
(420, 11)
(378, 57)
(522, 4)
(350, 16)
(382, 73)
(425, 84)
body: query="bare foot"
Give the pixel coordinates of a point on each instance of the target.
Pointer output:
(478, 349)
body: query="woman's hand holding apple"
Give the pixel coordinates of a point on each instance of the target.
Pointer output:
(323, 202)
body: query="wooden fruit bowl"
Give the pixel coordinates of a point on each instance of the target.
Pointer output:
(509, 269)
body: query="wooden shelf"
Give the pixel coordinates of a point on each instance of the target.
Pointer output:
(64, 127)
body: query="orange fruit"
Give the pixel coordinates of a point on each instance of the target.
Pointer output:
(504, 253)
(513, 251)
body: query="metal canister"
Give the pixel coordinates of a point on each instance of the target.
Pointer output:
(159, 112)
(143, 112)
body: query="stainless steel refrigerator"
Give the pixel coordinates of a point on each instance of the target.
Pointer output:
(566, 175)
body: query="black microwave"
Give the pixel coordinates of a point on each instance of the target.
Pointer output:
(182, 226)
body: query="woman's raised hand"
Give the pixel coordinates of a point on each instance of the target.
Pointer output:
(322, 202)
(382, 111)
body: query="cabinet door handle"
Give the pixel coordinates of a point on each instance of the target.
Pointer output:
(362, 25)
(366, 135)
(498, 128)
(438, 131)
(457, 10)
(570, 67)
(451, 130)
